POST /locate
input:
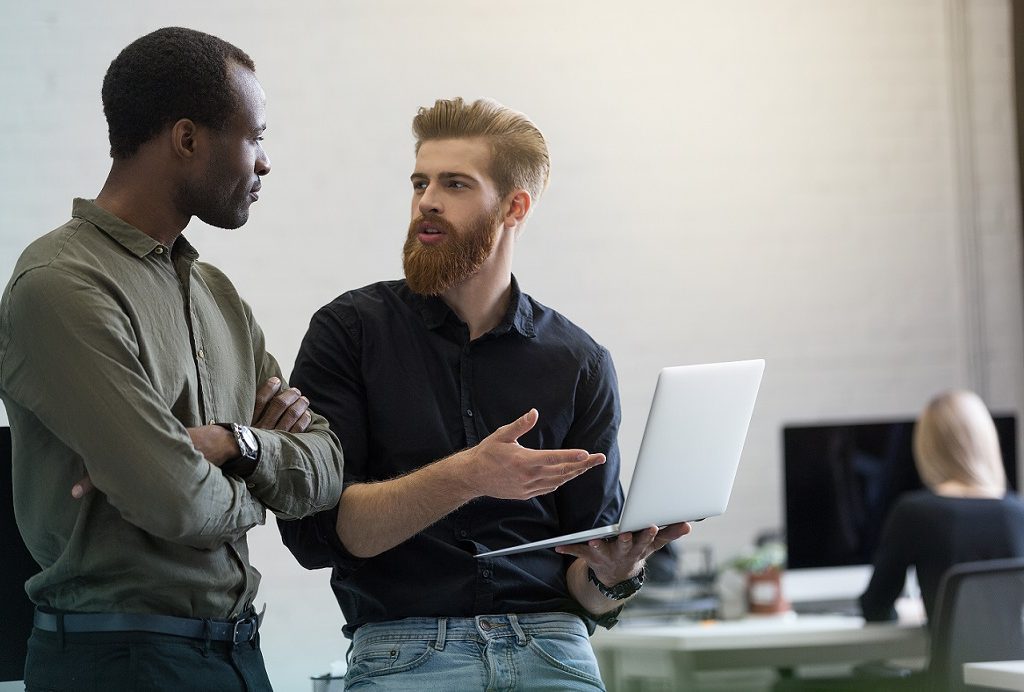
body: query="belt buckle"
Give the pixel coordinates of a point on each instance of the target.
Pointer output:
(251, 620)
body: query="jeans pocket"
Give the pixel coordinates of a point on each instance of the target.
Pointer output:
(568, 652)
(385, 657)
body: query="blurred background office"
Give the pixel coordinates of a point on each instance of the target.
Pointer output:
(833, 186)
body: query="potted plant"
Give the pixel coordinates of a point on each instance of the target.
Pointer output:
(763, 568)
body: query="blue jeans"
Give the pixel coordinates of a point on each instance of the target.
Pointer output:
(536, 651)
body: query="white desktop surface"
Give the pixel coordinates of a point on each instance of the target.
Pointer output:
(1002, 675)
(677, 651)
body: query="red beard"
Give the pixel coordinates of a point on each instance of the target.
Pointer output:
(432, 270)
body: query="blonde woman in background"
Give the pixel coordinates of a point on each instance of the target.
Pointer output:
(965, 514)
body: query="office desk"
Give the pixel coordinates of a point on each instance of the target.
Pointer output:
(1002, 675)
(677, 651)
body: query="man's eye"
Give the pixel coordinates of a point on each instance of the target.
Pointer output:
(419, 185)
(456, 184)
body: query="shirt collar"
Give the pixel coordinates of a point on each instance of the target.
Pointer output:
(130, 238)
(519, 315)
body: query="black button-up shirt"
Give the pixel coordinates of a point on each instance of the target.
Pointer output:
(402, 385)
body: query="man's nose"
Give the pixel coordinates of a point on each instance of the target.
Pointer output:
(262, 163)
(430, 202)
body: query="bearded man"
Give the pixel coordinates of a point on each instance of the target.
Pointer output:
(419, 379)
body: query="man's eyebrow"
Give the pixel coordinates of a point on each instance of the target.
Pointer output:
(443, 175)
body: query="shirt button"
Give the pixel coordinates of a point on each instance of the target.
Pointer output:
(469, 412)
(201, 353)
(462, 533)
(486, 574)
(212, 422)
(159, 249)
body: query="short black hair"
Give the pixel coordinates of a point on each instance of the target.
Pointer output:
(167, 75)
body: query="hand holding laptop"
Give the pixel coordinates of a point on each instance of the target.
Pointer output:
(616, 560)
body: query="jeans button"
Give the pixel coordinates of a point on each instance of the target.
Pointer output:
(485, 624)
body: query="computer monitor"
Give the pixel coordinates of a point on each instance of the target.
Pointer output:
(842, 479)
(18, 566)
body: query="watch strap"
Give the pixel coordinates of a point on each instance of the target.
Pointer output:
(622, 590)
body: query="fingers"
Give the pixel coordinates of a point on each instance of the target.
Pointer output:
(302, 423)
(669, 534)
(283, 411)
(617, 556)
(293, 414)
(263, 396)
(517, 428)
(621, 554)
(561, 466)
(552, 469)
(82, 488)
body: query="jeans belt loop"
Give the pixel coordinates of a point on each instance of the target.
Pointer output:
(442, 633)
(521, 638)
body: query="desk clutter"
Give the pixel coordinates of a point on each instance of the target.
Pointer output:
(684, 583)
(680, 583)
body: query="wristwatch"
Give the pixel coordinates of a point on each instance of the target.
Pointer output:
(624, 589)
(248, 445)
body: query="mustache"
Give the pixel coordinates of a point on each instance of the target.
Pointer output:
(434, 221)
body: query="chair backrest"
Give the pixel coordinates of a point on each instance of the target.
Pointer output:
(15, 608)
(979, 616)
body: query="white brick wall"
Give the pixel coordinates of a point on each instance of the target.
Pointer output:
(811, 182)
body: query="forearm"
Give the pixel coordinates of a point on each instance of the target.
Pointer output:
(585, 592)
(375, 517)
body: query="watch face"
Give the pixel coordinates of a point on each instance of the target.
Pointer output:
(247, 442)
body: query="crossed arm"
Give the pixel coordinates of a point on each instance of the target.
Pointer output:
(274, 409)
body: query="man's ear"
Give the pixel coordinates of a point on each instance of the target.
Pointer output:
(517, 208)
(184, 136)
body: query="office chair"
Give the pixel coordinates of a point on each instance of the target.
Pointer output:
(15, 608)
(979, 616)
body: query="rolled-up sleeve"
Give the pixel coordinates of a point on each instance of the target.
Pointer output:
(299, 474)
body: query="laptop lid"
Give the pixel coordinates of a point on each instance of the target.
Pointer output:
(692, 443)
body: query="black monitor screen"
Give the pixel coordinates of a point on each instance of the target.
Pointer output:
(841, 480)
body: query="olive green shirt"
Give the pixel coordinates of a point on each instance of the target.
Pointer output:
(111, 345)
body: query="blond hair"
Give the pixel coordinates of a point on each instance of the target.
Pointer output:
(955, 440)
(519, 153)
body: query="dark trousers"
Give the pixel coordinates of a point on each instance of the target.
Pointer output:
(115, 661)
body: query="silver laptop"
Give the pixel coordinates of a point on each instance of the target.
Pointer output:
(689, 453)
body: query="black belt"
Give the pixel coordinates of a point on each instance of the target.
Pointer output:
(234, 631)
